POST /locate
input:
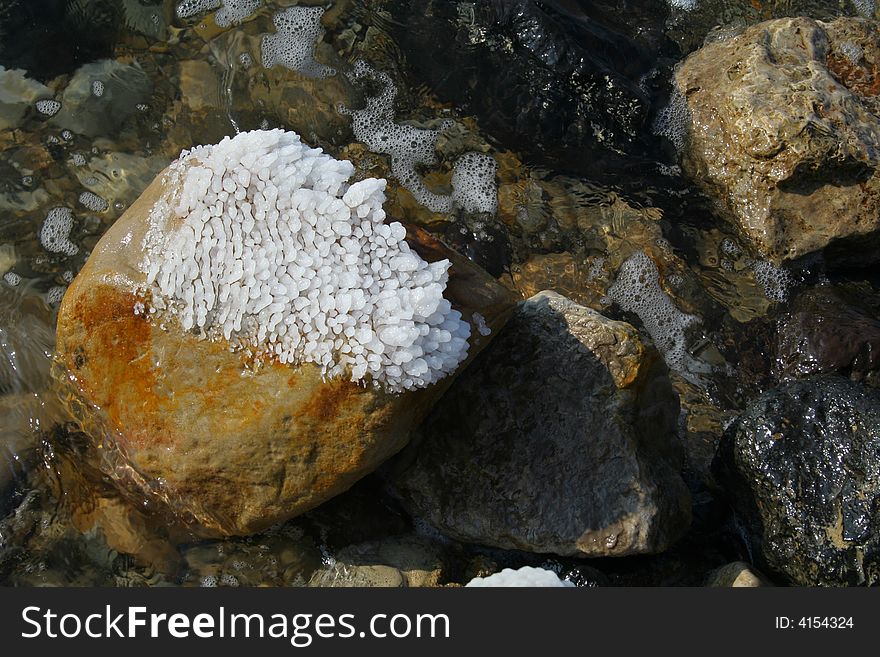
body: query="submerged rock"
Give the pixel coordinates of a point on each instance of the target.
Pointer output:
(231, 440)
(736, 575)
(830, 329)
(560, 438)
(802, 466)
(783, 125)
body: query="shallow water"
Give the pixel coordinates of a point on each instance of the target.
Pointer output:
(137, 84)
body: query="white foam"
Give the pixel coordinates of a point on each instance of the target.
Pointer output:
(190, 8)
(527, 576)
(672, 121)
(12, 278)
(774, 280)
(866, 8)
(234, 12)
(55, 234)
(275, 252)
(48, 107)
(473, 183)
(55, 294)
(93, 202)
(408, 146)
(293, 44)
(637, 289)
(97, 88)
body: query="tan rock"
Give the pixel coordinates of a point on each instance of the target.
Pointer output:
(784, 132)
(230, 445)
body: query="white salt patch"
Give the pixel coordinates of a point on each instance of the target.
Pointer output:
(527, 576)
(637, 290)
(12, 278)
(408, 146)
(48, 107)
(275, 252)
(482, 327)
(293, 45)
(97, 88)
(774, 280)
(473, 183)
(55, 294)
(55, 234)
(93, 202)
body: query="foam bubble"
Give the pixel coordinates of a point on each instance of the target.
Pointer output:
(55, 234)
(97, 88)
(293, 44)
(234, 12)
(48, 107)
(672, 121)
(408, 146)
(275, 252)
(190, 8)
(12, 278)
(866, 8)
(55, 294)
(93, 202)
(637, 289)
(473, 182)
(774, 280)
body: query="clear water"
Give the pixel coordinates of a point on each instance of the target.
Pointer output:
(138, 84)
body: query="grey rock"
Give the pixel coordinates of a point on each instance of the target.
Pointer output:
(558, 439)
(802, 467)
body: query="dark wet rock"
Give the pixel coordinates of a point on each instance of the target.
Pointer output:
(830, 329)
(560, 438)
(802, 468)
(736, 575)
(783, 124)
(562, 78)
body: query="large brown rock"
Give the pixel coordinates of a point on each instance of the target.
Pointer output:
(783, 125)
(560, 438)
(230, 445)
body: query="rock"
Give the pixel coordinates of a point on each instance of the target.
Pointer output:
(829, 329)
(230, 445)
(802, 468)
(561, 79)
(783, 125)
(101, 97)
(560, 438)
(736, 574)
(17, 94)
(396, 561)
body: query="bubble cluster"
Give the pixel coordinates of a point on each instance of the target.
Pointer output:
(12, 278)
(637, 290)
(190, 8)
(93, 202)
(408, 146)
(97, 88)
(55, 294)
(55, 234)
(527, 576)
(672, 121)
(473, 183)
(851, 51)
(234, 12)
(275, 252)
(480, 322)
(774, 280)
(48, 107)
(293, 44)
(866, 8)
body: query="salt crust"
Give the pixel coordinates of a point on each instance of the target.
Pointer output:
(527, 576)
(264, 243)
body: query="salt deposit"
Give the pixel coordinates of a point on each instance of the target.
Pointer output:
(408, 146)
(272, 250)
(293, 44)
(527, 576)
(637, 289)
(55, 234)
